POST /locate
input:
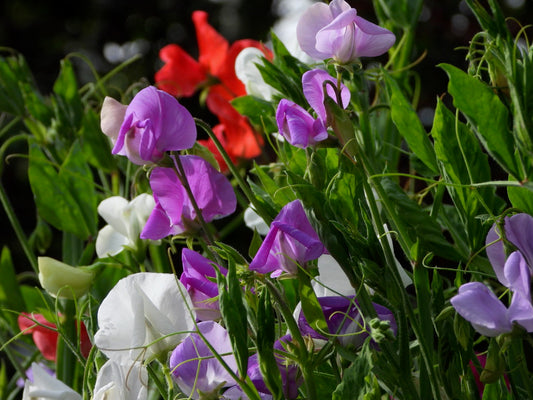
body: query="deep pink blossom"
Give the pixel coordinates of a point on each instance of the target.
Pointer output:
(291, 241)
(336, 31)
(174, 212)
(153, 123)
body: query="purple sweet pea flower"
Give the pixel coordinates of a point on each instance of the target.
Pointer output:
(291, 378)
(291, 241)
(174, 213)
(313, 88)
(477, 304)
(299, 127)
(343, 319)
(519, 232)
(153, 123)
(335, 31)
(193, 365)
(195, 277)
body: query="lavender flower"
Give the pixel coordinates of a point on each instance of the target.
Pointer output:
(152, 124)
(194, 367)
(174, 212)
(313, 88)
(335, 31)
(297, 126)
(344, 319)
(203, 291)
(290, 241)
(478, 305)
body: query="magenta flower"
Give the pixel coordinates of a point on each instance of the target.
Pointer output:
(335, 31)
(194, 366)
(291, 241)
(343, 319)
(476, 303)
(153, 123)
(299, 127)
(174, 212)
(197, 271)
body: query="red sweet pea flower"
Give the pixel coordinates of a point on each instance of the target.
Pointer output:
(46, 339)
(182, 75)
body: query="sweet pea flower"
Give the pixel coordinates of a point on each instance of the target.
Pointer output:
(336, 31)
(143, 316)
(63, 280)
(313, 88)
(331, 279)
(44, 334)
(291, 241)
(291, 378)
(47, 387)
(476, 303)
(174, 213)
(246, 69)
(194, 366)
(153, 123)
(125, 222)
(197, 271)
(344, 320)
(253, 221)
(117, 381)
(299, 127)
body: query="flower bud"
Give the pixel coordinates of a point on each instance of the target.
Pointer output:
(62, 280)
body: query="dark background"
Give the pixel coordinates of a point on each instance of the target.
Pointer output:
(45, 32)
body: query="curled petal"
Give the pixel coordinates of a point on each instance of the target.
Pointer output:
(313, 88)
(297, 126)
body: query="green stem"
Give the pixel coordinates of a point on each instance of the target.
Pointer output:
(18, 229)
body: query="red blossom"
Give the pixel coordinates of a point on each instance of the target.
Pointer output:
(45, 335)
(183, 76)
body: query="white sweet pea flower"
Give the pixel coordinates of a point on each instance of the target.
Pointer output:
(331, 281)
(117, 381)
(248, 73)
(126, 221)
(46, 387)
(255, 222)
(143, 316)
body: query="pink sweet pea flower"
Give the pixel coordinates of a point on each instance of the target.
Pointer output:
(203, 291)
(335, 31)
(313, 88)
(290, 241)
(153, 123)
(174, 213)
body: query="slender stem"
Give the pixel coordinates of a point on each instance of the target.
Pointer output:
(21, 236)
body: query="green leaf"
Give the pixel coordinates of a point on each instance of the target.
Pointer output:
(14, 72)
(310, 306)
(65, 199)
(265, 346)
(487, 114)
(234, 314)
(10, 294)
(96, 147)
(410, 127)
(68, 104)
(261, 113)
(353, 385)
